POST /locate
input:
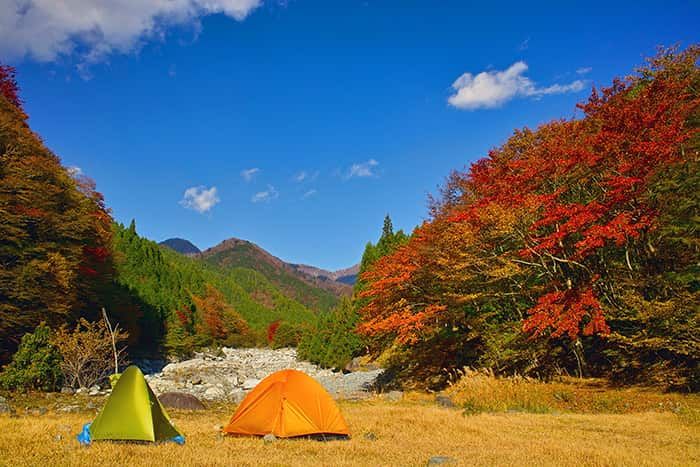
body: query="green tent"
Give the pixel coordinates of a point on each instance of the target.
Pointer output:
(132, 413)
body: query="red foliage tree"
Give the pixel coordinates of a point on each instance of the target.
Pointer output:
(8, 85)
(272, 330)
(184, 317)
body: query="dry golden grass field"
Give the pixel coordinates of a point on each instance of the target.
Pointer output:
(496, 422)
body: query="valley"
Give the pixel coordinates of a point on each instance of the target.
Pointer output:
(537, 302)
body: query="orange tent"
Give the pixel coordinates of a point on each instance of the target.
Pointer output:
(288, 403)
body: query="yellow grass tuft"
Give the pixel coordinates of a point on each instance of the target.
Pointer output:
(481, 391)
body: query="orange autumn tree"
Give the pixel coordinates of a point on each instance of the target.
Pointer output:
(439, 294)
(555, 232)
(216, 322)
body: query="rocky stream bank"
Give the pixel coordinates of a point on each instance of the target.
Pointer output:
(229, 374)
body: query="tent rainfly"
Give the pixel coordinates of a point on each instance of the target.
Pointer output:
(132, 413)
(288, 403)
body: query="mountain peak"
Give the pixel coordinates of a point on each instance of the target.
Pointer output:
(345, 276)
(181, 245)
(301, 282)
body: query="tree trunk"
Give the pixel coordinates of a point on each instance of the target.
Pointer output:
(114, 343)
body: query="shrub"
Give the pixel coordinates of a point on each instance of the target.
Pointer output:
(238, 333)
(472, 406)
(286, 335)
(242, 341)
(88, 358)
(35, 365)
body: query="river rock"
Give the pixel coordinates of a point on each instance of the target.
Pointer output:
(36, 411)
(69, 409)
(438, 460)
(5, 407)
(213, 393)
(445, 401)
(237, 395)
(250, 383)
(181, 400)
(393, 396)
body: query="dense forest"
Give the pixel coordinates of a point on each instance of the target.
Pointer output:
(572, 248)
(55, 233)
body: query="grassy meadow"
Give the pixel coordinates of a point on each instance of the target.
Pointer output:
(494, 422)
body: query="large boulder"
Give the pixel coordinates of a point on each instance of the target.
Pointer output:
(180, 400)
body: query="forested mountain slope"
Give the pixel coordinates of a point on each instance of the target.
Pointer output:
(314, 293)
(170, 286)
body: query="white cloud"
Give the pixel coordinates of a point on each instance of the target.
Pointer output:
(265, 196)
(200, 199)
(46, 30)
(490, 89)
(74, 171)
(363, 169)
(524, 45)
(584, 70)
(308, 194)
(305, 176)
(574, 86)
(248, 174)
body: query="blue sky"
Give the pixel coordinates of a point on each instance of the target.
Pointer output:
(299, 125)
